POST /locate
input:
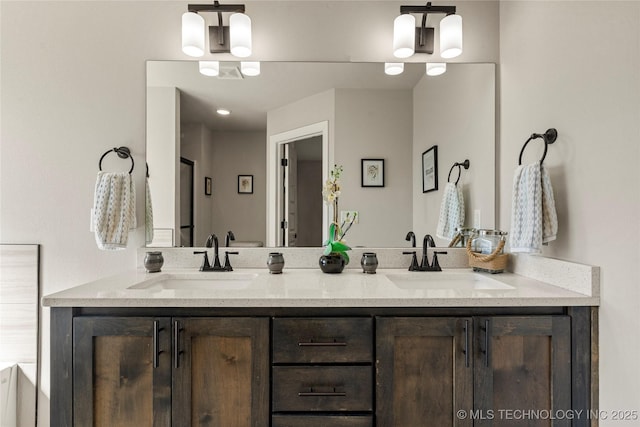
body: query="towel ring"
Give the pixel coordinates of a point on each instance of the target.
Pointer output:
(122, 152)
(464, 164)
(549, 137)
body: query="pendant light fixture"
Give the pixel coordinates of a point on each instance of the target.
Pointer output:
(250, 68)
(436, 68)
(423, 36)
(393, 68)
(209, 68)
(234, 38)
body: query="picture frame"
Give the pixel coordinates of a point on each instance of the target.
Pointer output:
(207, 186)
(245, 184)
(372, 172)
(430, 169)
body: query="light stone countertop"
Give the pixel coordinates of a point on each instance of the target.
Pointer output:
(309, 287)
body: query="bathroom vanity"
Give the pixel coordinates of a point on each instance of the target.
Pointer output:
(304, 348)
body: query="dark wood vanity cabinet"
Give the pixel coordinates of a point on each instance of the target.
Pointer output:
(137, 371)
(283, 367)
(473, 371)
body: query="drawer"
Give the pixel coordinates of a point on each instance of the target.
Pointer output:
(323, 340)
(322, 421)
(322, 388)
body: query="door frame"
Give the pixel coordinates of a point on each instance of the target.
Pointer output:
(274, 173)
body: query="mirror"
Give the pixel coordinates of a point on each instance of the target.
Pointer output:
(353, 111)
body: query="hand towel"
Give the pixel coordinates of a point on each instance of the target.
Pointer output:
(533, 209)
(451, 211)
(114, 209)
(148, 225)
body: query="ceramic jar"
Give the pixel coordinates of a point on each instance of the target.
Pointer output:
(369, 262)
(153, 261)
(275, 262)
(332, 263)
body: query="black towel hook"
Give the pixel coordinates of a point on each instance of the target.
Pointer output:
(461, 165)
(549, 137)
(122, 152)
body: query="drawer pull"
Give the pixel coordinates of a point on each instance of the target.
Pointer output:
(311, 343)
(312, 393)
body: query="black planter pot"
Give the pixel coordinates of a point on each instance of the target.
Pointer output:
(332, 263)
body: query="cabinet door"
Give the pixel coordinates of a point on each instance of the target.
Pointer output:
(221, 372)
(424, 371)
(121, 371)
(523, 371)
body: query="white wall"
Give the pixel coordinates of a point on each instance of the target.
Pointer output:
(575, 66)
(197, 145)
(56, 121)
(239, 153)
(462, 125)
(375, 124)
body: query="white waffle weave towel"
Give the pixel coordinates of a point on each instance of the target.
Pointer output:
(114, 209)
(533, 209)
(451, 211)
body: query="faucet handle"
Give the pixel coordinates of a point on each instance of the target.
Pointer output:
(414, 260)
(435, 265)
(205, 262)
(227, 264)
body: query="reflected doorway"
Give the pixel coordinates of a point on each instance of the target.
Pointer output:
(186, 202)
(301, 209)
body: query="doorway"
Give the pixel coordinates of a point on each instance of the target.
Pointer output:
(301, 222)
(186, 202)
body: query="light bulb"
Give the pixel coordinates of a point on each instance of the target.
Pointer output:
(404, 36)
(393, 68)
(240, 35)
(192, 34)
(209, 68)
(436, 68)
(451, 36)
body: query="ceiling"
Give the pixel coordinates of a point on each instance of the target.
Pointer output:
(279, 84)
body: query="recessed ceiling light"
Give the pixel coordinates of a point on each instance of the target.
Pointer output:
(223, 111)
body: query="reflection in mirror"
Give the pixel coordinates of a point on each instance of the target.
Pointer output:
(366, 114)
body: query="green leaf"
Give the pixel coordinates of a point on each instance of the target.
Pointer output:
(340, 247)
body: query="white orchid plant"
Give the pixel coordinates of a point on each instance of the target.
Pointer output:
(330, 193)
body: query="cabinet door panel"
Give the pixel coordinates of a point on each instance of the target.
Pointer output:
(122, 372)
(523, 370)
(221, 376)
(424, 372)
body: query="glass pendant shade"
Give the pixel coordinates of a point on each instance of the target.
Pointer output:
(240, 35)
(393, 68)
(193, 34)
(209, 68)
(436, 68)
(250, 68)
(404, 36)
(451, 36)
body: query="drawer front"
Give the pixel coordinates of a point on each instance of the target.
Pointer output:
(322, 421)
(322, 340)
(322, 388)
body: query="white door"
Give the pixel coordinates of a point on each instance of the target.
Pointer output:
(291, 195)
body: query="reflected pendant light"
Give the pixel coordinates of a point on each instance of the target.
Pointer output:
(250, 68)
(193, 34)
(404, 36)
(451, 36)
(393, 68)
(209, 68)
(240, 35)
(436, 68)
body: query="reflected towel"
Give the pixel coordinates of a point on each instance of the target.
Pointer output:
(114, 209)
(148, 224)
(533, 209)
(451, 212)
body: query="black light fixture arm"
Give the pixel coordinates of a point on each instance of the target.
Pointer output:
(216, 7)
(424, 33)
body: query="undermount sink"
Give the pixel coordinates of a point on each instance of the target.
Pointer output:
(196, 282)
(445, 280)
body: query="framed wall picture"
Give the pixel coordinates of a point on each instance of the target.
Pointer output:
(372, 172)
(430, 169)
(207, 186)
(245, 184)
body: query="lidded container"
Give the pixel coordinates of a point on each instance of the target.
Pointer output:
(462, 236)
(485, 241)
